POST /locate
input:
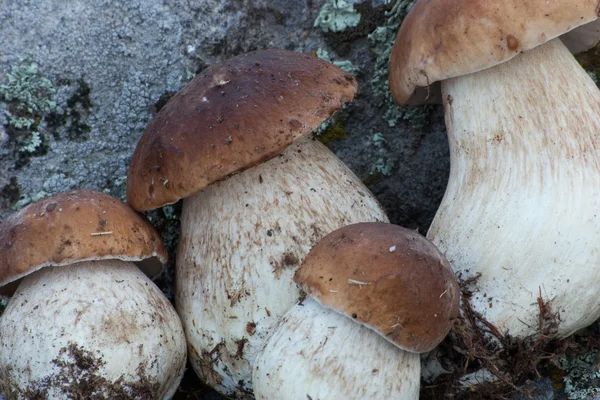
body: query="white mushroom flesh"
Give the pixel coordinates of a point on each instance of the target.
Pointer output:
(94, 329)
(522, 206)
(241, 241)
(316, 353)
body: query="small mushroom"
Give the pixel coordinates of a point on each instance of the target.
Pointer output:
(521, 206)
(378, 295)
(258, 193)
(85, 322)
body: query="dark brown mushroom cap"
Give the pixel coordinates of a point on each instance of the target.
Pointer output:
(76, 226)
(231, 117)
(386, 277)
(441, 39)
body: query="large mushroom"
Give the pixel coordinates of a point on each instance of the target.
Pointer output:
(521, 206)
(377, 295)
(85, 322)
(243, 234)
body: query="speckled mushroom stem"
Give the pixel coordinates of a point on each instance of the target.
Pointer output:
(317, 353)
(241, 241)
(93, 329)
(523, 199)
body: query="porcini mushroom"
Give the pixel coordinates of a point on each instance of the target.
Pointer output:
(377, 295)
(85, 322)
(523, 118)
(243, 234)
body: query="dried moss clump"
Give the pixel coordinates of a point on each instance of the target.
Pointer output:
(511, 364)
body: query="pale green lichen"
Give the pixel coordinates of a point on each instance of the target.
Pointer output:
(170, 213)
(18, 122)
(117, 188)
(378, 139)
(385, 162)
(25, 200)
(34, 143)
(382, 40)
(382, 165)
(33, 93)
(336, 16)
(29, 96)
(582, 377)
(345, 65)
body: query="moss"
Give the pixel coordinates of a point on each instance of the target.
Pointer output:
(333, 133)
(77, 109)
(332, 130)
(590, 61)
(11, 193)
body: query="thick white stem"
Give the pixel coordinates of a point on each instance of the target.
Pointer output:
(90, 329)
(317, 353)
(241, 242)
(522, 207)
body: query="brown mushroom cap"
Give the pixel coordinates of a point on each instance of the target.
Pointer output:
(76, 226)
(231, 117)
(441, 39)
(386, 277)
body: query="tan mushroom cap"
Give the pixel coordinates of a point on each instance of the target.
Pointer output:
(386, 277)
(76, 226)
(231, 117)
(441, 39)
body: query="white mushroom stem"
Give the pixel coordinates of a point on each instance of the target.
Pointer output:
(241, 241)
(522, 207)
(97, 329)
(317, 353)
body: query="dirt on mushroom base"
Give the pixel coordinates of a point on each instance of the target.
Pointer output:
(79, 378)
(475, 344)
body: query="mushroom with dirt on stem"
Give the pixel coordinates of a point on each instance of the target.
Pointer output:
(521, 206)
(377, 296)
(84, 321)
(258, 193)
